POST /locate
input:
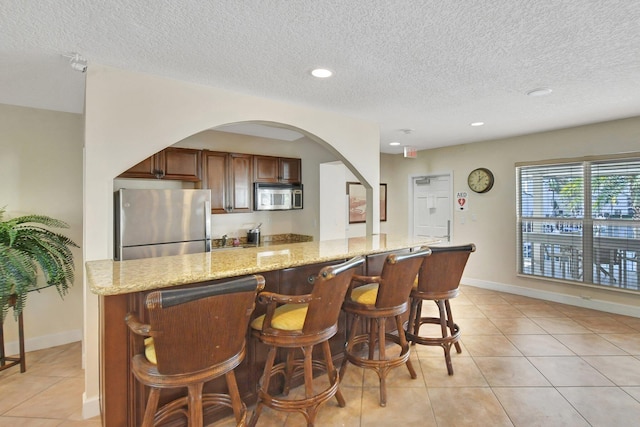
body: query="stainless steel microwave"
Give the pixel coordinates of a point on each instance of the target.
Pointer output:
(277, 197)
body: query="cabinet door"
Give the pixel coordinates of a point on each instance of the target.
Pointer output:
(276, 169)
(290, 170)
(145, 169)
(180, 164)
(216, 179)
(240, 168)
(265, 169)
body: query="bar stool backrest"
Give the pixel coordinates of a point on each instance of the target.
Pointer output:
(441, 272)
(329, 289)
(397, 277)
(199, 327)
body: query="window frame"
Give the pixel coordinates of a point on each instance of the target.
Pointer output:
(580, 244)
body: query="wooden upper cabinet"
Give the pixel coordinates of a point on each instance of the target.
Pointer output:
(181, 164)
(265, 169)
(241, 172)
(215, 178)
(228, 175)
(276, 169)
(290, 170)
(144, 169)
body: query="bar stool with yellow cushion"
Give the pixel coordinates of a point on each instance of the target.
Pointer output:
(194, 335)
(380, 298)
(302, 321)
(438, 281)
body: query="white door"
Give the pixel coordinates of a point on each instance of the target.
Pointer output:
(432, 210)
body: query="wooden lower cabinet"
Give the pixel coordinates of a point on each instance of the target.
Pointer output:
(123, 398)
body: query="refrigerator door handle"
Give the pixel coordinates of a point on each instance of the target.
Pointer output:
(207, 226)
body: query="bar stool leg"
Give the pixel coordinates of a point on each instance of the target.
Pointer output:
(382, 355)
(263, 386)
(332, 372)
(195, 405)
(452, 325)
(355, 323)
(234, 393)
(288, 372)
(152, 406)
(404, 344)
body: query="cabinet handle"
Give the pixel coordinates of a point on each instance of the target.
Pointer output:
(158, 173)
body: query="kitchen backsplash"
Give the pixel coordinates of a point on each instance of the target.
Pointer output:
(274, 239)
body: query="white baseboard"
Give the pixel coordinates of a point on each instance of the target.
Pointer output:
(45, 341)
(90, 407)
(609, 307)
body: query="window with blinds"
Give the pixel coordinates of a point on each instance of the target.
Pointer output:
(579, 221)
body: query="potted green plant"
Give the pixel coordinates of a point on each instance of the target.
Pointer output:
(28, 247)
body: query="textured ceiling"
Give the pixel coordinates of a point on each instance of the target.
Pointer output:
(429, 65)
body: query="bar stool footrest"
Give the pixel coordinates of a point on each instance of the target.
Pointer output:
(375, 364)
(435, 341)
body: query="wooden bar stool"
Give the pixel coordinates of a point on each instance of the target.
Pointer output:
(438, 281)
(302, 321)
(380, 298)
(193, 336)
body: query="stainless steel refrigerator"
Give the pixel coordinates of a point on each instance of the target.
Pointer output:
(152, 223)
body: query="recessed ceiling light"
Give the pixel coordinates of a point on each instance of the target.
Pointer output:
(542, 91)
(394, 143)
(477, 124)
(321, 73)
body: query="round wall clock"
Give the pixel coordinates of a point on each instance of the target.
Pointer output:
(480, 180)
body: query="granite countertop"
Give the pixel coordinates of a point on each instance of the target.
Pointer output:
(108, 277)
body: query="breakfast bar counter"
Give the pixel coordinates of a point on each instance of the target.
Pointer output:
(122, 287)
(108, 277)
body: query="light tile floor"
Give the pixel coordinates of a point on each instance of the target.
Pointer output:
(49, 393)
(524, 362)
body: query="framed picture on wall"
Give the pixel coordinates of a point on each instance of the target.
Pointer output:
(358, 202)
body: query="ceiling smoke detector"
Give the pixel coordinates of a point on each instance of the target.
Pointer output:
(77, 62)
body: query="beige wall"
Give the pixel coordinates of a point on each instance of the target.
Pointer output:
(41, 173)
(494, 230)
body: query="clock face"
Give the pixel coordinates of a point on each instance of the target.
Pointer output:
(480, 180)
